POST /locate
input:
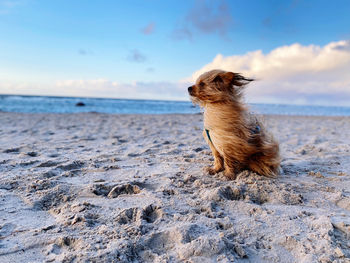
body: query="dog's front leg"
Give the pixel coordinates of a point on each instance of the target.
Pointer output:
(230, 168)
(218, 160)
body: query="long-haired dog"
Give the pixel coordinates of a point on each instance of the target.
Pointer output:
(236, 138)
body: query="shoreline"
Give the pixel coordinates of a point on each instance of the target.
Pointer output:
(169, 114)
(132, 188)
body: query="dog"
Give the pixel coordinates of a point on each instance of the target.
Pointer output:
(237, 138)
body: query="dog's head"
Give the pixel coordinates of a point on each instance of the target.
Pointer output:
(217, 86)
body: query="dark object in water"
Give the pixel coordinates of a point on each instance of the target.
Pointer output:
(80, 104)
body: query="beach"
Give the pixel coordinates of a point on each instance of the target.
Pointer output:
(92, 187)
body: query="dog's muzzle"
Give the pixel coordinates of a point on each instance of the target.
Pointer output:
(190, 89)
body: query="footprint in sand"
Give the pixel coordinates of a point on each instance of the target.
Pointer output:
(258, 191)
(123, 189)
(49, 163)
(12, 150)
(149, 214)
(53, 197)
(71, 166)
(32, 154)
(113, 191)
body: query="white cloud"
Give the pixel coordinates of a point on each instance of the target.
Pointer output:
(136, 90)
(293, 74)
(101, 88)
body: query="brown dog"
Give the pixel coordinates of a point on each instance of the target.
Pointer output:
(236, 138)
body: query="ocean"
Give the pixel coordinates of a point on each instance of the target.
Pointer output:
(46, 104)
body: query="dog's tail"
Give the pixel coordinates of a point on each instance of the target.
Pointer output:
(267, 161)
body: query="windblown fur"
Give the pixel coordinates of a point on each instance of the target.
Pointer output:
(238, 139)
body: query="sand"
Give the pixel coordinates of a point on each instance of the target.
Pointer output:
(133, 188)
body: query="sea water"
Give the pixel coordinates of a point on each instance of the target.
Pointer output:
(45, 104)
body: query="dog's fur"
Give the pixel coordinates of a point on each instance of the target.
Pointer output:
(238, 139)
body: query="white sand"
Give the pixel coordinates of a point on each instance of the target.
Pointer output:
(131, 188)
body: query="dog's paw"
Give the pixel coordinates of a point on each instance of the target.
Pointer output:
(211, 170)
(230, 175)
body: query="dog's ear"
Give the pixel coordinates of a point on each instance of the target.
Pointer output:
(226, 77)
(217, 79)
(231, 78)
(239, 80)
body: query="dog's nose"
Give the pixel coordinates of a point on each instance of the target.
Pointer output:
(190, 89)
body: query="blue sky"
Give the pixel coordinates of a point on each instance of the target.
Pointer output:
(153, 49)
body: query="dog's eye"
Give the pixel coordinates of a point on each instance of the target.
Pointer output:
(201, 84)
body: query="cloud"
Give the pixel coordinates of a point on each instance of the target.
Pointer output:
(293, 74)
(137, 90)
(101, 88)
(343, 46)
(279, 13)
(136, 56)
(205, 17)
(149, 29)
(85, 52)
(85, 87)
(182, 33)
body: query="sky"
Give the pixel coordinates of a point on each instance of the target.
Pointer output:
(298, 51)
